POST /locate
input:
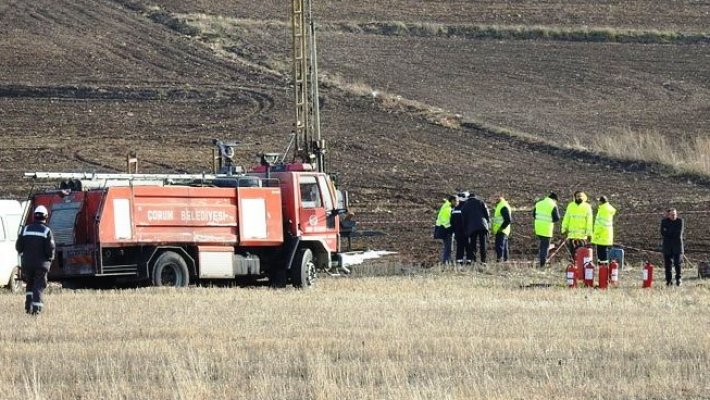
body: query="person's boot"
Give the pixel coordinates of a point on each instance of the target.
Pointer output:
(678, 282)
(36, 308)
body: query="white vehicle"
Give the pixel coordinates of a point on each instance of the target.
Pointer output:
(10, 217)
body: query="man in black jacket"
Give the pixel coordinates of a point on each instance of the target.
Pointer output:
(463, 244)
(477, 223)
(36, 246)
(672, 230)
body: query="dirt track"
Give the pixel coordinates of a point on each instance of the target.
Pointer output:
(89, 82)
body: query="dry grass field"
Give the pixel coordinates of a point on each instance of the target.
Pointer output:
(426, 335)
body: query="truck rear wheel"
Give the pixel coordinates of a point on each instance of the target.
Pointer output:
(15, 283)
(170, 270)
(303, 270)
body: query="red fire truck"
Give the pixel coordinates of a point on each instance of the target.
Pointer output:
(279, 221)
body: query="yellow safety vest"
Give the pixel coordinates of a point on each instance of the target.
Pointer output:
(498, 218)
(604, 225)
(577, 221)
(543, 217)
(444, 217)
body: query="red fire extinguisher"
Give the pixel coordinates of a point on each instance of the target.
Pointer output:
(614, 273)
(603, 275)
(571, 274)
(589, 274)
(647, 274)
(582, 256)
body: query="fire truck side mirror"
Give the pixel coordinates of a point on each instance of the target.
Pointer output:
(342, 201)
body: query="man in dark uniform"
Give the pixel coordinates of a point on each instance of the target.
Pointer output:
(672, 233)
(36, 246)
(462, 240)
(477, 221)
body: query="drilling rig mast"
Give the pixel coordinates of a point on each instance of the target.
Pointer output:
(308, 145)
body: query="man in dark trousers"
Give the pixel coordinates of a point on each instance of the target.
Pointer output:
(463, 244)
(36, 246)
(545, 214)
(476, 222)
(501, 228)
(672, 233)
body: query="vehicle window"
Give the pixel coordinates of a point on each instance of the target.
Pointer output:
(2, 229)
(310, 195)
(326, 192)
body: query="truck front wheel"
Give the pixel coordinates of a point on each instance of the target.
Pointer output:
(170, 270)
(303, 270)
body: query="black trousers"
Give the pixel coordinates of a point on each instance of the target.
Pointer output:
(36, 280)
(670, 261)
(544, 247)
(482, 238)
(603, 253)
(463, 247)
(502, 251)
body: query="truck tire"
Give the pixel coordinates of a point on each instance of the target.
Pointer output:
(303, 270)
(15, 283)
(170, 270)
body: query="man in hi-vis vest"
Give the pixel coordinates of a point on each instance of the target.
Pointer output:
(603, 236)
(443, 230)
(502, 218)
(545, 214)
(578, 222)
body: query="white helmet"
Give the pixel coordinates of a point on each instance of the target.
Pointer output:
(42, 210)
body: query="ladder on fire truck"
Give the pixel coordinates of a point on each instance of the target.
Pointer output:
(223, 167)
(308, 145)
(136, 178)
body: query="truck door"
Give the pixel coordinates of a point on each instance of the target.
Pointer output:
(328, 202)
(312, 213)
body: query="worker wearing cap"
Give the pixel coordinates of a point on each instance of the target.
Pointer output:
(36, 246)
(501, 228)
(545, 214)
(603, 236)
(443, 230)
(578, 222)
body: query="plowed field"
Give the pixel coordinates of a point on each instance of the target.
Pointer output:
(86, 82)
(686, 15)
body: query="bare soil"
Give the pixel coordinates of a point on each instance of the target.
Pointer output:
(684, 15)
(87, 82)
